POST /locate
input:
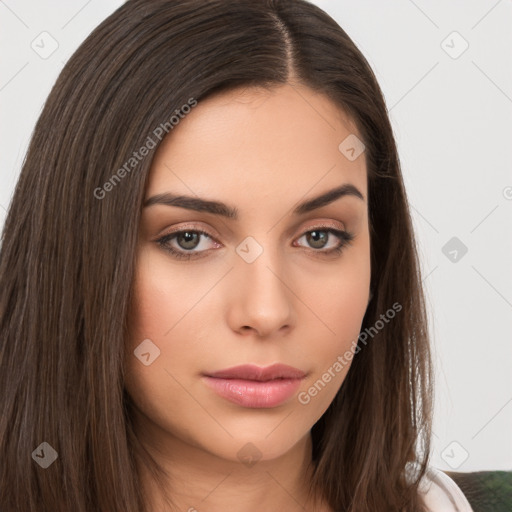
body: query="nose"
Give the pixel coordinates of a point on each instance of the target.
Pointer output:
(261, 300)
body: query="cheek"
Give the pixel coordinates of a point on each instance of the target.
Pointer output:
(151, 317)
(163, 298)
(163, 322)
(339, 296)
(340, 305)
(332, 356)
(158, 322)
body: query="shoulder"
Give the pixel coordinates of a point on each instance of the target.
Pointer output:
(441, 494)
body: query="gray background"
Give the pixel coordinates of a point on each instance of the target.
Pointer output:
(451, 112)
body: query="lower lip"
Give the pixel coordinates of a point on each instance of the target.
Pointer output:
(255, 394)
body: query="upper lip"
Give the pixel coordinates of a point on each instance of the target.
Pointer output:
(258, 373)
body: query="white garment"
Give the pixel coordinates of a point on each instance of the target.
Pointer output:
(441, 493)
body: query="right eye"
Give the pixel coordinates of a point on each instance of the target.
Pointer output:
(190, 238)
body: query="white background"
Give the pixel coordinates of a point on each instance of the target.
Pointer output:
(452, 119)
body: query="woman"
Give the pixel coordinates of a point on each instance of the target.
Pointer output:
(211, 295)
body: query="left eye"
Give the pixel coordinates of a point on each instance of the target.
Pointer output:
(189, 239)
(321, 235)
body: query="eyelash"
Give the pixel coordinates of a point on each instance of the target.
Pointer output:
(344, 236)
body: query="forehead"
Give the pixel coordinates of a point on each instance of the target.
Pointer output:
(254, 145)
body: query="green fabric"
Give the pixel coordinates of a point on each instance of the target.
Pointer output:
(486, 491)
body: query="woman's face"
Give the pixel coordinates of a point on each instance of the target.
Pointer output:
(261, 287)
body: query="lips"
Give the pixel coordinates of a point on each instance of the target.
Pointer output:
(255, 387)
(253, 372)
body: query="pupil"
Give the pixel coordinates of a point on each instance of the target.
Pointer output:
(318, 236)
(189, 239)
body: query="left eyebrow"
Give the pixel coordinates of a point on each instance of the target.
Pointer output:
(328, 197)
(230, 212)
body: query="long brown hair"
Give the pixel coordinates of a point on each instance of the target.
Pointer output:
(69, 245)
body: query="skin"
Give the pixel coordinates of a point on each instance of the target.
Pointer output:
(262, 152)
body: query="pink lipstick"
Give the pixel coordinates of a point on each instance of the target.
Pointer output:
(256, 387)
